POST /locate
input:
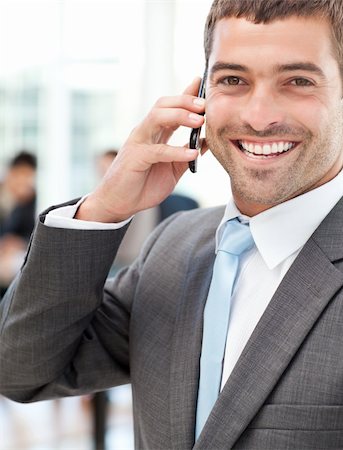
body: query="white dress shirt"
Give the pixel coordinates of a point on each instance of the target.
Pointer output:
(279, 234)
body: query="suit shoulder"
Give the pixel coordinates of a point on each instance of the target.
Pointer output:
(194, 225)
(207, 216)
(185, 234)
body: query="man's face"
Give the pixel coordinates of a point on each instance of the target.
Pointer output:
(21, 183)
(274, 108)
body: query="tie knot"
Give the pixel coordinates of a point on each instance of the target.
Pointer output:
(236, 239)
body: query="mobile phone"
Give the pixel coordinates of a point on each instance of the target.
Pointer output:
(194, 139)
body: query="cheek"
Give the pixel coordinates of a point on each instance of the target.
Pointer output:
(220, 110)
(311, 117)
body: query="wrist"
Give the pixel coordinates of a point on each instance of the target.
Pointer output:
(93, 210)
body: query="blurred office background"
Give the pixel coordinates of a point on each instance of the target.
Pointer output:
(75, 77)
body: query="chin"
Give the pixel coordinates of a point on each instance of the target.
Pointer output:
(263, 199)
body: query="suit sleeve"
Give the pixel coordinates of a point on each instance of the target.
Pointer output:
(62, 330)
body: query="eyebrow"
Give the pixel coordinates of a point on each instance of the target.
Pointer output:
(291, 67)
(305, 66)
(227, 66)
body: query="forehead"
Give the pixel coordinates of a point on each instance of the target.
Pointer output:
(280, 41)
(22, 169)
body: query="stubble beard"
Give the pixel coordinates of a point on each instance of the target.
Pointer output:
(270, 186)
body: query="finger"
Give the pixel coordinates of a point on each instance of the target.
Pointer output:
(176, 117)
(162, 153)
(185, 101)
(159, 120)
(167, 153)
(202, 144)
(193, 88)
(187, 112)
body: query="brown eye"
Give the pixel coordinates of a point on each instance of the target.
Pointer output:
(233, 81)
(302, 82)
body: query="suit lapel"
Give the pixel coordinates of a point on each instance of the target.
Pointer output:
(184, 374)
(298, 302)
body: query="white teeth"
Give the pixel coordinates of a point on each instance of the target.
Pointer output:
(281, 147)
(266, 149)
(258, 150)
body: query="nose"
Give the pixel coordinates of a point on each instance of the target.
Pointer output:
(262, 109)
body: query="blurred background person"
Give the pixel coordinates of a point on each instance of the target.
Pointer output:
(17, 214)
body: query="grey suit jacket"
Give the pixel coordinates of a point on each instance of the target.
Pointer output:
(59, 335)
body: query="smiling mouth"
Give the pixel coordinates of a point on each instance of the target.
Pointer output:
(265, 150)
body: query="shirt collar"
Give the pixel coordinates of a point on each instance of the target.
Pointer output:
(282, 230)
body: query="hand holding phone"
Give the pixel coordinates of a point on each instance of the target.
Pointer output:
(194, 140)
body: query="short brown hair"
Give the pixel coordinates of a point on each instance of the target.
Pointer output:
(264, 11)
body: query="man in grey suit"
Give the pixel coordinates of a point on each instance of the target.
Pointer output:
(274, 121)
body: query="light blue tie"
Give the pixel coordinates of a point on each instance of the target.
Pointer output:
(235, 240)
